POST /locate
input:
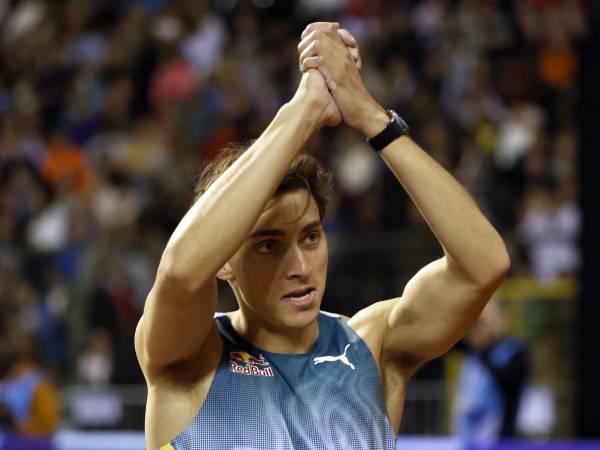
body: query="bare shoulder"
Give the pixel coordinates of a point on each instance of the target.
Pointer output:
(189, 372)
(176, 392)
(373, 317)
(370, 324)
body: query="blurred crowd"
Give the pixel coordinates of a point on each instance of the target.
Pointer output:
(110, 108)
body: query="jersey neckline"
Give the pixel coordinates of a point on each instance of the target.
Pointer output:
(226, 321)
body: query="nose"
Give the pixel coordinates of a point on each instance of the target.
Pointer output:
(296, 265)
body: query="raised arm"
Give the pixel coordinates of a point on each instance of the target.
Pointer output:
(442, 301)
(178, 313)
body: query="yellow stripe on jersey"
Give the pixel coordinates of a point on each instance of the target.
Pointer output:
(167, 447)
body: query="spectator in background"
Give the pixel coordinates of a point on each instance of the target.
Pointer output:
(549, 229)
(95, 406)
(493, 375)
(95, 365)
(29, 401)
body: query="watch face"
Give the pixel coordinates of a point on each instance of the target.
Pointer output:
(398, 120)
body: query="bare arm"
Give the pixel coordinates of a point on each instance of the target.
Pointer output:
(179, 310)
(442, 300)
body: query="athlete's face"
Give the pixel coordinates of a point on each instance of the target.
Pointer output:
(279, 272)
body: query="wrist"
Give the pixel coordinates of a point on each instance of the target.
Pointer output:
(301, 114)
(373, 121)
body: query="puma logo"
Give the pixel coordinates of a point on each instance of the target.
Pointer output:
(343, 358)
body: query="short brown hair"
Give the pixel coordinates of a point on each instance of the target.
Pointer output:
(306, 172)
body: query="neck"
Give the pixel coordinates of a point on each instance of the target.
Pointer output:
(273, 339)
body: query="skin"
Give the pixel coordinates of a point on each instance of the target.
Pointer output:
(177, 343)
(489, 328)
(293, 255)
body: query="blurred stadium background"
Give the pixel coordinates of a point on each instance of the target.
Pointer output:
(110, 108)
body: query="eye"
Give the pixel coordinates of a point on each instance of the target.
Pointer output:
(313, 237)
(267, 246)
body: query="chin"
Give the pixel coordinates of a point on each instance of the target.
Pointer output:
(300, 319)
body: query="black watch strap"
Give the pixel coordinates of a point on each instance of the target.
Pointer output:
(396, 127)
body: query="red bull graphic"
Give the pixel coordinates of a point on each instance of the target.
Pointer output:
(247, 364)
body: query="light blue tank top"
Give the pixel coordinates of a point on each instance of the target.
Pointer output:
(328, 398)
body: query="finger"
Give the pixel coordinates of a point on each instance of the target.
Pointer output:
(356, 57)
(347, 38)
(314, 62)
(306, 41)
(323, 26)
(352, 45)
(310, 51)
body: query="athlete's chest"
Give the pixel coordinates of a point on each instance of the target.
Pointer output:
(329, 399)
(323, 369)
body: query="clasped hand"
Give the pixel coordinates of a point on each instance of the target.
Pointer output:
(334, 53)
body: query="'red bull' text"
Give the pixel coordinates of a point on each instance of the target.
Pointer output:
(250, 370)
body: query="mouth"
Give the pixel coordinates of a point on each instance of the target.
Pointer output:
(301, 297)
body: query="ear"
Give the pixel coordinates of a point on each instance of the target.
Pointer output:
(225, 273)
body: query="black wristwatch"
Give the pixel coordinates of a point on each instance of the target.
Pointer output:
(396, 128)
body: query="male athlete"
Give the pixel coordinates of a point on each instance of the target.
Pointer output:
(277, 373)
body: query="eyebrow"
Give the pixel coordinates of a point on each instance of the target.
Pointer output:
(276, 232)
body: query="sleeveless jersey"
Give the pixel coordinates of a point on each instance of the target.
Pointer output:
(328, 398)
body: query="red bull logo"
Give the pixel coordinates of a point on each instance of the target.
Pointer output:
(247, 364)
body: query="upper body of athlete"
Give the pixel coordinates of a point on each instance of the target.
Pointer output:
(272, 248)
